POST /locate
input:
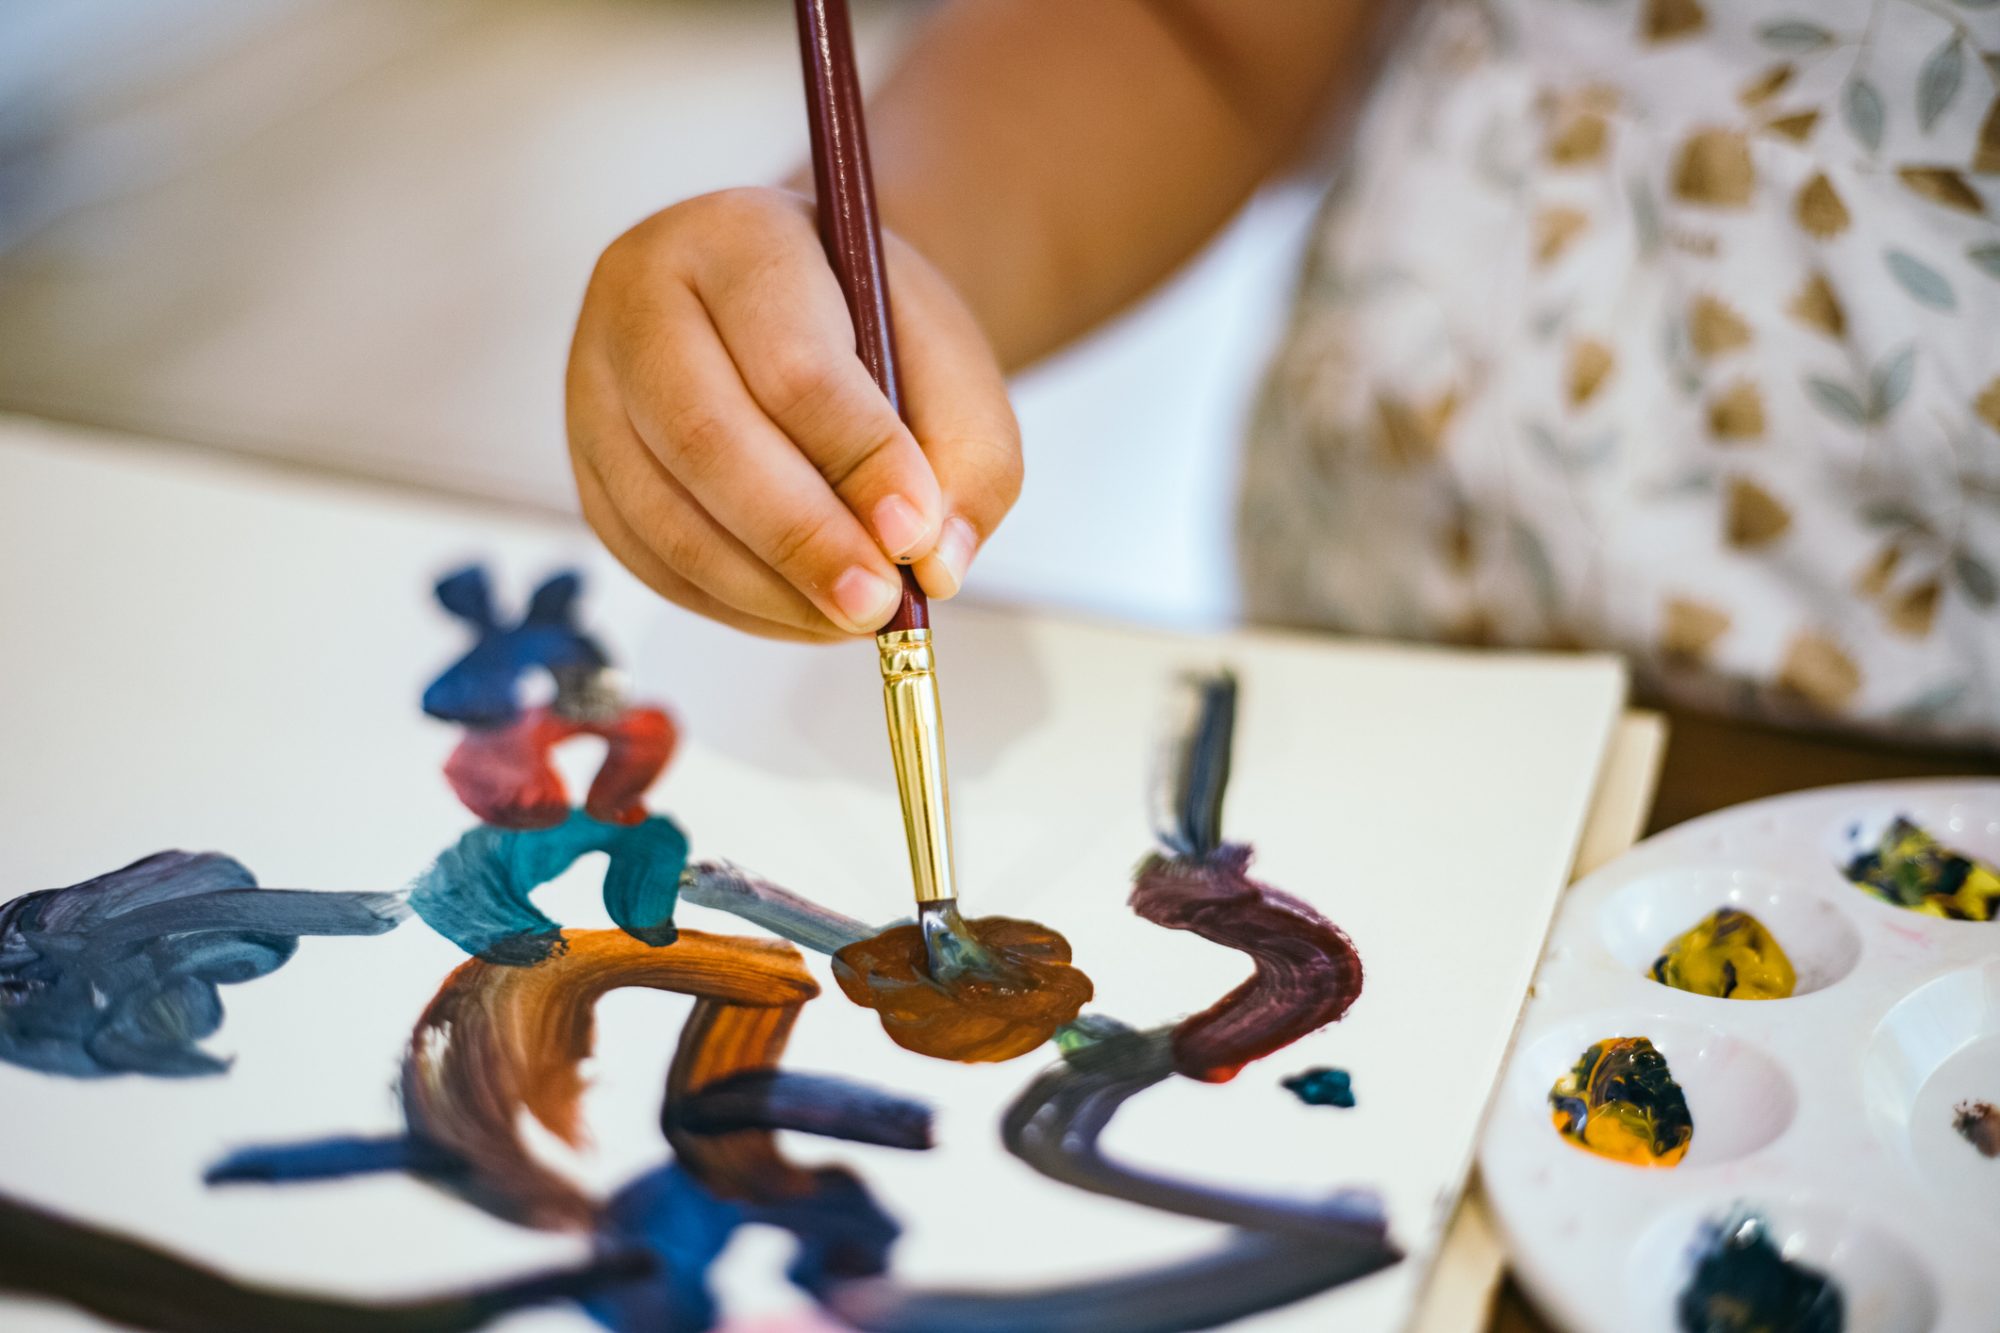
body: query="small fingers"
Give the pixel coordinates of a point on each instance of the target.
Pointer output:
(636, 555)
(786, 327)
(693, 414)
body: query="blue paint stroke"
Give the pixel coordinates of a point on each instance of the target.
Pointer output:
(1322, 1087)
(476, 894)
(843, 1236)
(332, 1159)
(481, 689)
(831, 1108)
(119, 974)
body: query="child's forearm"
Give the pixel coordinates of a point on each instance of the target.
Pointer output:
(1057, 158)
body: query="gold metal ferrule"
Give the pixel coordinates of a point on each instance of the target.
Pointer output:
(916, 741)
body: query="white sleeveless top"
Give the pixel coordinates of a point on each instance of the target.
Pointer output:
(1667, 326)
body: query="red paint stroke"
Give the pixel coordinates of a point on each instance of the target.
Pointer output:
(1308, 972)
(505, 775)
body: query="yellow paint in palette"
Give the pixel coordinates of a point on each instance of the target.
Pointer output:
(1729, 954)
(1910, 869)
(1621, 1102)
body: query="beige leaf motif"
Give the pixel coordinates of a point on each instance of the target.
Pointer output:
(1942, 185)
(1817, 307)
(1765, 86)
(1818, 671)
(1667, 20)
(1756, 517)
(1987, 404)
(1408, 434)
(1819, 208)
(1797, 127)
(1555, 228)
(1874, 580)
(1986, 159)
(1914, 610)
(1689, 629)
(1459, 544)
(1714, 328)
(1590, 364)
(1714, 169)
(1579, 140)
(1738, 413)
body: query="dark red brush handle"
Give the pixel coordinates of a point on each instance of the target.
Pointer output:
(848, 226)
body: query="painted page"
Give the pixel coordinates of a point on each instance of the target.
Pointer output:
(579, 999)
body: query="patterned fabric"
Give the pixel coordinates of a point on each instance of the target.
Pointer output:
(1667, 326)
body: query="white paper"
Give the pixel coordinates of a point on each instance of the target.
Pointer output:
(214, 657)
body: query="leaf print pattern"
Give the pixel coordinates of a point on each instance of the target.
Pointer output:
(1667, 20)
(1925, 284)
(1818, 308)
(1794, 35)
(1689, 629)
(1817, 670)
(1755, 517)
(1820, 210)
(1797, 127)
(1938, 82)
(1767, 85)
(1987, 405)
(1714, 169)
(1734, 385)
(1737, 414)
(1944, 186)
(1862, 106)
(1714, 328)
(1590, 363)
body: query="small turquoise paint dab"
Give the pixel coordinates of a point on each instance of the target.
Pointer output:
(1322, 1087)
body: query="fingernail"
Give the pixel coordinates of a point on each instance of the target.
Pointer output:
(954, 549)
(866, 599)
(898, 524)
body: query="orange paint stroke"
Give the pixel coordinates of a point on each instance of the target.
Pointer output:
(499, 1040)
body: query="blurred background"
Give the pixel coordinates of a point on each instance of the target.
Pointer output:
(351, 235)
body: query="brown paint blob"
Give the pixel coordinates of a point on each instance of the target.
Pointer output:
(991, 1013)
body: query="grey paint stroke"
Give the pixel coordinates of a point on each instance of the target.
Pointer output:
(732, 889)
(1054, 1126)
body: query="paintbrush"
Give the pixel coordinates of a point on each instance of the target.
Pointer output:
(852, 234)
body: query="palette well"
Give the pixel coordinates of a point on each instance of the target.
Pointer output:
(1830, 1127)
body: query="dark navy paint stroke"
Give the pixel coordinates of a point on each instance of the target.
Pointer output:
(1054, 1126)
(134, 1284)
(332, 1159)
(481, 689)
(1194, 774)
(1250, 1272)
(119, 974)
(818, 1104)
(476, 894)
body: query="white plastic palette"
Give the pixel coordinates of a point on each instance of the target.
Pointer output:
(1828, 1114)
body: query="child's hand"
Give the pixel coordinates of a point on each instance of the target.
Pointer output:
(730, 447)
